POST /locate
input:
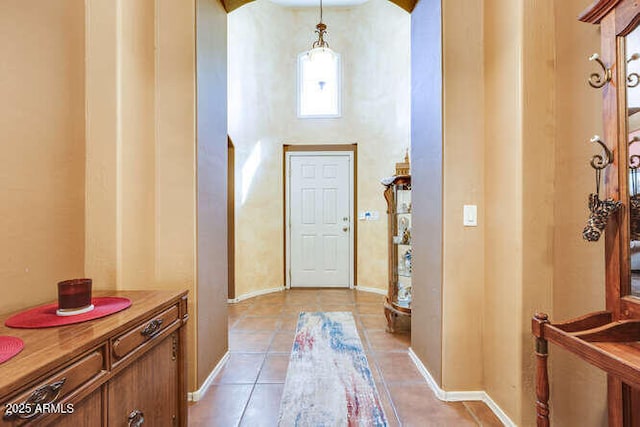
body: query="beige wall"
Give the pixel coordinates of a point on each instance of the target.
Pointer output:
(578, 390)
(262, 110)
(136, 215)
(463, 184)
(141, 134)
(102, 141)
(136, 149)
(41, 149)
(538, 169)
(141, 144)
(120, 165)
(503, 204)
(538, 113)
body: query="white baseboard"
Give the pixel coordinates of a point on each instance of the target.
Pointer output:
(255, 294)
(372, 290)
(199, 393)
(456, 396)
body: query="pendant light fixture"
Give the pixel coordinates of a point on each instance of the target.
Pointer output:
(320, 52)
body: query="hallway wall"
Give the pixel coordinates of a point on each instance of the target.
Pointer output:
(141, 160)
(503, 156)
(211, 80)
(464, 169)
(537, 107)
(427, 192)
(538, 186)
(140, 134)
(578, 390)
(262, 112)
(41, 149)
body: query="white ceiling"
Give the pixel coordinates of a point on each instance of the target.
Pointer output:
(316, 3)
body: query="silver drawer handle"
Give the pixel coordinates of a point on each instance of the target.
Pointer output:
(152, 328)
(136, 418)
(48, 393)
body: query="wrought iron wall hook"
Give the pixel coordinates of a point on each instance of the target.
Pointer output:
(597, 80)
(633, 79)
(634, 159)
(600, 210)
(601, 161)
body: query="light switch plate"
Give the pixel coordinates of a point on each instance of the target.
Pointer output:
(470, 216)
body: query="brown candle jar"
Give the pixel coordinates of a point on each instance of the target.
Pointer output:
(74, 294)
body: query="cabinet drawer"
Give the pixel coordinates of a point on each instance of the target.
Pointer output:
(147, 389)
(29, 404)
(132, 339)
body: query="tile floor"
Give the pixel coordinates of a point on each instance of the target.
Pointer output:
(247, 390)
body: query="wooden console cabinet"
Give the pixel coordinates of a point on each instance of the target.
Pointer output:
(126, 369)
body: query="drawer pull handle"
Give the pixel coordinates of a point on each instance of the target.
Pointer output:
(152, 328)
(136, 418)
(48, 393)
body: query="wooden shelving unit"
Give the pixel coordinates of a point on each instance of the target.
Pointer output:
(397, 193)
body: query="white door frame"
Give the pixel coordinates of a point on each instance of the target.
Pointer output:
(287, 212)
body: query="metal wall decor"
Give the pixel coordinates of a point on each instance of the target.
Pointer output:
(634, 159)
(598, 80)
(601, 161)
(599, 210)
(634, 198)
(633, 79)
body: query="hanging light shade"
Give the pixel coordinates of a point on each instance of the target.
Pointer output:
(320, 52)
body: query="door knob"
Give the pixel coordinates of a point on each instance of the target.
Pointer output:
(345, 228)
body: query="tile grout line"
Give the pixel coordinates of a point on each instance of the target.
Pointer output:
(377, 368)
(246, 405)
(473, 415)
(255, 383)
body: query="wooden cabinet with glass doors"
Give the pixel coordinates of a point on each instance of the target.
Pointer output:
(609, 339)
(398, 301)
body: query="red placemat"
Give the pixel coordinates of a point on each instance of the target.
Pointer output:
(45, 316)
(9, 347)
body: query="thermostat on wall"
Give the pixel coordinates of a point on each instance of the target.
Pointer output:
(368, 215)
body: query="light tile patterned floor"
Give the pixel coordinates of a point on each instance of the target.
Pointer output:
(247, 391)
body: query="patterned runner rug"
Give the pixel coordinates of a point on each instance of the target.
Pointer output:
(329, 382)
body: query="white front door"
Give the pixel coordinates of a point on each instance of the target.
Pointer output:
(320, 245)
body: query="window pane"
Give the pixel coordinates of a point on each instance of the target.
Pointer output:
(318, 91)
